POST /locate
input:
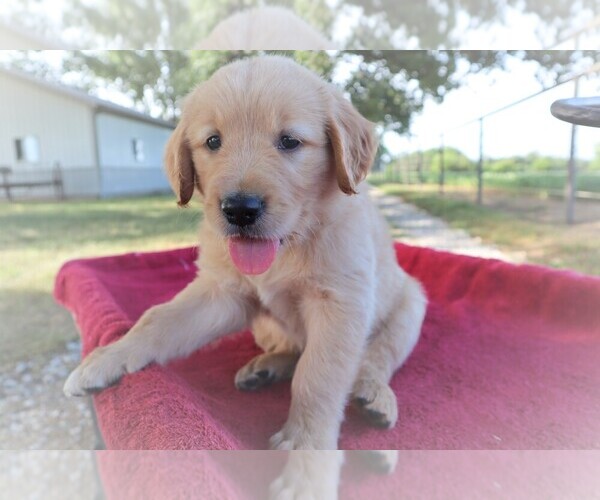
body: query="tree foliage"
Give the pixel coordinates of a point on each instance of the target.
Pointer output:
(174, 24)
(157, 79)
(437, 24)
(388, 87)
(382, 24)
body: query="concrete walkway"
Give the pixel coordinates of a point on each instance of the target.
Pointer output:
(414, 226)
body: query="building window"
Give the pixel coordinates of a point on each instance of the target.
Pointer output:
(138, 150)
(28, 149)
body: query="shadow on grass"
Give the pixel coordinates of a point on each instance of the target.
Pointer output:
(32, 324)
(69, 224)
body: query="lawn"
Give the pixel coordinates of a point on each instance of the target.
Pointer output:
(548, 243)
(37, 238)
(553, 182)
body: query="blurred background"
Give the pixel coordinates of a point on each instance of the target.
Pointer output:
(354, 24)
(471, 160)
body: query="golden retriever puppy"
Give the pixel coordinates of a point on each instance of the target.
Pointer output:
(291, 245)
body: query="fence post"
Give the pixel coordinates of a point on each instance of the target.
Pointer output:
(442, 166)
(420, 166)
(571, 186)
(58, 180)
(480, 165)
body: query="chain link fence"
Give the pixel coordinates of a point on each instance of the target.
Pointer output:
(470, 157)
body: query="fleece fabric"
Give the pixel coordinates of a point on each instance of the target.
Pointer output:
(509, 358)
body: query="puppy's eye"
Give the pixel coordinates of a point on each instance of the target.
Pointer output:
(288, 143)
(213, 142)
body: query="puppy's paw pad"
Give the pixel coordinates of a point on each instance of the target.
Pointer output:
(266, 369)
(247, 379)
(377, 403)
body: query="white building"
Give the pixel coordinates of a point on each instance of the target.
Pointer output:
(103, 149)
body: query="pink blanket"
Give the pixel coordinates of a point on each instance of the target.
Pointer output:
(246, 475)
(509, 359)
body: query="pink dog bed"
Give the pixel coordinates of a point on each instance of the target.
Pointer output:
(509, 358)
(246, 475)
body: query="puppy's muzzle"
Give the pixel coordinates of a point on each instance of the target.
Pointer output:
(242, 209)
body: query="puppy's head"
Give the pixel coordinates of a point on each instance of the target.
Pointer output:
(264, 141)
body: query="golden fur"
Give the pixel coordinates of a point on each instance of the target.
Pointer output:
(334, 310)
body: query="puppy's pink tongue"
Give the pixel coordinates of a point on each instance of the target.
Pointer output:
(251, 255)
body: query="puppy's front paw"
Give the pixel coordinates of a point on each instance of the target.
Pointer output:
(308, 475)
(295, 485)
(380, 461)
(102, 368)
(293, 437)
(282, 441)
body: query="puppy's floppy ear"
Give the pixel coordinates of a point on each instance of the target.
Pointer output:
(179, 166)
(353, 142)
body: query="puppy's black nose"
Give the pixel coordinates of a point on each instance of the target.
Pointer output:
(242, 209)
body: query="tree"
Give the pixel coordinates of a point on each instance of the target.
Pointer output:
(595, 162)
(436, 24)
(381, 24)
(388, 87)
(170, 24)
(155, 80)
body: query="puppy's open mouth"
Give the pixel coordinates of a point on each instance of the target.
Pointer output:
(252, 255)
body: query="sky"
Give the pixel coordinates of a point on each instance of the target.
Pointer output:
(525, 128)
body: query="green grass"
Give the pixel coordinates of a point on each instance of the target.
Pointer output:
(555, 181)
(542, 181)
(564, 247)
(37, 238)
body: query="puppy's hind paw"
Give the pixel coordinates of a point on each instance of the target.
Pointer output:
(376, 402)
(280, 441)
(249, 379)
(266, 369)
(297, 437)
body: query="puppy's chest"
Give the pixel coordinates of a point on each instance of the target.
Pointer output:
(283, 304)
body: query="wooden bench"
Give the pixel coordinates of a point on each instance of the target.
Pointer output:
(56, 181)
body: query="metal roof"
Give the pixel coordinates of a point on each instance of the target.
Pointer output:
(94, 102)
